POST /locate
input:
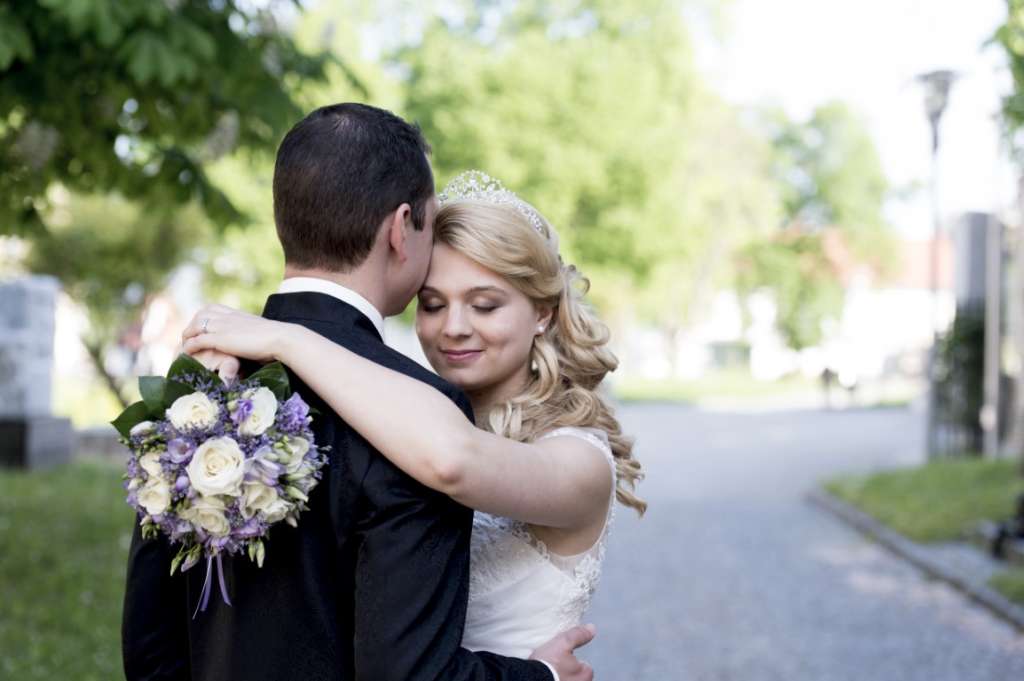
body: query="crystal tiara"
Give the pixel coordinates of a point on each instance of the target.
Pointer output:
(479, 186)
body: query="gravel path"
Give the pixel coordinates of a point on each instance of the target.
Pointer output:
(732, 576)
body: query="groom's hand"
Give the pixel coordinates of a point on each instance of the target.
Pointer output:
(559, 653)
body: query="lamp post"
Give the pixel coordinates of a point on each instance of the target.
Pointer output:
(936, 95)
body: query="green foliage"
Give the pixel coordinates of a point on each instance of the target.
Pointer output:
(111, 256)
(1010, 583)
(136, 98)
(133, 415)
(64, 537)
(959, 380)
(1010, 36)
(830, 177)
(594, 113)
(939, 501)
(831, 174)
(273, 377)
(796, 269)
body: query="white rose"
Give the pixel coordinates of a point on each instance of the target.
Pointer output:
(297, 448)
(150, 462)
(155, 496)
(276, 510)
(207, 513)
(217, 467)
(256, 497)
(141, 428)
(264, 409)
(193, 411)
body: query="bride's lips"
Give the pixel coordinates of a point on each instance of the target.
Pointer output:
(461, 356)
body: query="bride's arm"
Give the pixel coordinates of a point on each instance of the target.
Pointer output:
(559, 482)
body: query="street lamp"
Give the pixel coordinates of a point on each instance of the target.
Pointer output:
(936, 95)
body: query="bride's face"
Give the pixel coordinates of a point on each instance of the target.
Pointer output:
(476, 329)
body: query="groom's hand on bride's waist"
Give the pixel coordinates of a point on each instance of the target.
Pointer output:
(559, 654)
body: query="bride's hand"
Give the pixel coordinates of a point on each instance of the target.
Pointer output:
(237, 333)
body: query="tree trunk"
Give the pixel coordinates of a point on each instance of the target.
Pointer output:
(95, 351)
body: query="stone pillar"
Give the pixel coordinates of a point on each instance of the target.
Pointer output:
(30, 436)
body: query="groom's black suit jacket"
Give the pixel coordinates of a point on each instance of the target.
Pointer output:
(371, 586)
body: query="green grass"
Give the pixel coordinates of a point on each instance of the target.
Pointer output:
(738, 384)
(64, 536)
(939, 501)
(1010, 583)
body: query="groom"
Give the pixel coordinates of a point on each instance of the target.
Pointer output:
(372, 585)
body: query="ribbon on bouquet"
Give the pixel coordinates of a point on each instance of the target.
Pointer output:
(204, 597)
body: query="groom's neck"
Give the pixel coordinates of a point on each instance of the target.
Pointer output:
(360, 280)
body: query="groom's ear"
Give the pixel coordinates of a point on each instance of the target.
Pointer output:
(396, 224)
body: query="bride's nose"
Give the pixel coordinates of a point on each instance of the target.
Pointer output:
(456, 323)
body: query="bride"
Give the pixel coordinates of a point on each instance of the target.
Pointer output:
(501, 317)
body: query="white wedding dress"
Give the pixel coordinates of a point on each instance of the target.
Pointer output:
(520, 593)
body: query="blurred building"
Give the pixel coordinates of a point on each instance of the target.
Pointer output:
(885, 326)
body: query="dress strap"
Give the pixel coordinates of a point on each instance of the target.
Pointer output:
(594, 436)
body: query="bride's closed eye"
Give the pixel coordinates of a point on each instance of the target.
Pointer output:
(430, 308)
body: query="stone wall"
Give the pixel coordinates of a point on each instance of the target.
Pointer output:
(30, 436)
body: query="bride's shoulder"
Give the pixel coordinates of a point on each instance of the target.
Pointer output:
(580, 440)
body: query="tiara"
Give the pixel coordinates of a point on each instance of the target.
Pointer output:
(479, 186)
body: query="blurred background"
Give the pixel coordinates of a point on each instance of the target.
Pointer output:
(801, 219)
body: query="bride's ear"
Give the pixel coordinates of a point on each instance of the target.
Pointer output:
(544, 316)
(396, 225)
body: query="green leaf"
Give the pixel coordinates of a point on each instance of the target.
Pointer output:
(15, 40)
(160, 393)
(274, 377)
(152, 389)
(185, 365)
(173, 390)
(130, 417)
(177, 559)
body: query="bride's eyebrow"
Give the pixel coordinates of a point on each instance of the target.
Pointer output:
(485, 289)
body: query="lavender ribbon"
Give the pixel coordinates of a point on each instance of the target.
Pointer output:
(204, 597)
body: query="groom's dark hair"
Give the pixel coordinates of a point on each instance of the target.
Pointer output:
(339, 172)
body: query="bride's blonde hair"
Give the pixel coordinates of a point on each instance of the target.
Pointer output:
(571, 357)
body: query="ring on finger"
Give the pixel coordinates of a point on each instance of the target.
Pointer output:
(204, 324)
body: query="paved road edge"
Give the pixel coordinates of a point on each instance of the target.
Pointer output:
(913, 553)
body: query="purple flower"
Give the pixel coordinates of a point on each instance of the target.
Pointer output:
(179, 450)
(293, 413)
(243, 409)
(250, 529)
(181, 484)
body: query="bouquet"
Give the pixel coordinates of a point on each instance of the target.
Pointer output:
(215, 466)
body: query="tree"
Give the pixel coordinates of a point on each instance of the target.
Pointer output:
(111, 115)
(137, 98)
(830, 178)
(111, 256)
(1010, 36)
(795, 267)
(594, 112)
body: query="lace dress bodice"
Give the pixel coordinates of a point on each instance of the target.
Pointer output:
(520, 593)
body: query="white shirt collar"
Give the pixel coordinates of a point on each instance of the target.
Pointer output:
(346, 295)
